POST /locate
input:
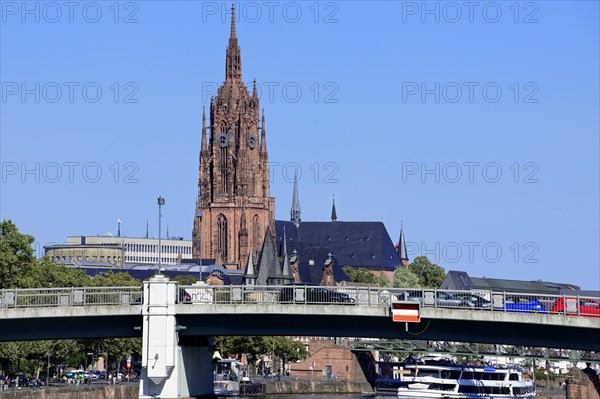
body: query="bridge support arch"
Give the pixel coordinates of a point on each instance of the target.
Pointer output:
(171, 368)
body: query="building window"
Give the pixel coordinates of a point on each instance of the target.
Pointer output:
(222, 236)
(255, 233)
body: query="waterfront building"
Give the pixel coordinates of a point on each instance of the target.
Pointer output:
(132, 250)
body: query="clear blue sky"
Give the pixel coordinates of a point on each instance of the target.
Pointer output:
(368, 120)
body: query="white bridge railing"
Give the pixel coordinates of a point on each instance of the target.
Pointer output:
(491, 301)
(481, 300)
(71, 296)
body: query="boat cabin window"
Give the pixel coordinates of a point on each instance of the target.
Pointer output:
(484, 390)
(428, 373)
(514, 377)
(451, 374)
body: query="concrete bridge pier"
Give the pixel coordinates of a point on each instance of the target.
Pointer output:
(170, 368)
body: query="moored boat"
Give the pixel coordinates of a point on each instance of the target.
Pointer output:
(446, 379)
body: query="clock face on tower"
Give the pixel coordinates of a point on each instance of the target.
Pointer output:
(252, 141)
(222, 140)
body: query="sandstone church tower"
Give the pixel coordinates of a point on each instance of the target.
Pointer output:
(233, 209)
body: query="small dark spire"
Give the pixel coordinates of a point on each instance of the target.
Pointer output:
(295, 211)
(254, 88)
(333, 212)
(402, 253)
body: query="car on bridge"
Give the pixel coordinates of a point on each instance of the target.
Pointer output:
(446, 299)
(522, 304)
(582, 307)
(312, 295)
(184, 296)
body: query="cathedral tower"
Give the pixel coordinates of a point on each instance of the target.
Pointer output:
(233, 208)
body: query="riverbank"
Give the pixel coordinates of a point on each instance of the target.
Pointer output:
(550, 393)
(129, 391)
(317, 387)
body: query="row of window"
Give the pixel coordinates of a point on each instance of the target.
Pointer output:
(166, 249)
(150, 259)
(87, 258)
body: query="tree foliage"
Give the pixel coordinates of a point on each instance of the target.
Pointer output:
(255, 348)
(429, 274)
(16, 256)
(20, 269)
(404, 278)
(186, 279)
(359, 275)
(112, 279)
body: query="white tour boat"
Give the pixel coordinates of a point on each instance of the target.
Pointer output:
(449, 380)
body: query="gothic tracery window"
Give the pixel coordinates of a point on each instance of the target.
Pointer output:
(224, 161)
(255, 233)
(222, 236)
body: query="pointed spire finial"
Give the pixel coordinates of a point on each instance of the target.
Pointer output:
(232, 33)
(233, 63)
(333, 211)
(254, 88)
(295, 211)
(402, 253)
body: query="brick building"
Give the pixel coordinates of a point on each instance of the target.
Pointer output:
(235, 222)
(233, 208)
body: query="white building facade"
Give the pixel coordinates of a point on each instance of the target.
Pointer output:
(142, 250)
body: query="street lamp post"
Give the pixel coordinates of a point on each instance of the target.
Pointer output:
(161, 202)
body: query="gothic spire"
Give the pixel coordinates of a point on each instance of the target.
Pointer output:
(232, 32)
(402, 246)
(233, 64)
(333, 212)
(250, 273)
(295, 211)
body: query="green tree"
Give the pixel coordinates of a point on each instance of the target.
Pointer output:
(404, 278)
(382, 280)
(288, 350)
(16, 256)
(185, 279)
(20, 269)
(359, 275)
(429, 274)
(112, 279)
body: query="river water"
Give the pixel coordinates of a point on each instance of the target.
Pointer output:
(554, 394)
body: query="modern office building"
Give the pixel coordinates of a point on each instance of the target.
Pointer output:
(138, 250)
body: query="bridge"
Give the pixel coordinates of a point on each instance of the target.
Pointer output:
(176, 322)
